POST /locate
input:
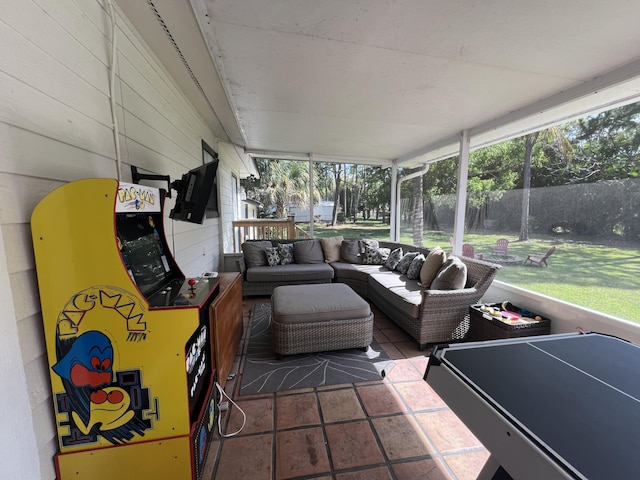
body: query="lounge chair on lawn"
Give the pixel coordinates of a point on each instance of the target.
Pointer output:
(469, 251)
(540, 260)
(501, 248)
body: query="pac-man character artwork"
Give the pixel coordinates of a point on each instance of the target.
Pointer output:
(98, 400)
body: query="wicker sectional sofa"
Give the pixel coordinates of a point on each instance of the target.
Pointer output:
(428, 315)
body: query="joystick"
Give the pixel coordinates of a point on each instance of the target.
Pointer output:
(192, 282)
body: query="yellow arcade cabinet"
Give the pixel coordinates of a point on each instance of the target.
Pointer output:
(128, 336)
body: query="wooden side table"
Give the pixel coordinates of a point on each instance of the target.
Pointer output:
(225, 315)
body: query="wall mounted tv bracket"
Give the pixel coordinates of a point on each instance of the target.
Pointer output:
(137, 176)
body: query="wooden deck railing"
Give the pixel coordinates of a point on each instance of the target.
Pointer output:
(264, 228)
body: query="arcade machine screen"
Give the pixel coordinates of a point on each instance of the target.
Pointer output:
(143, 251)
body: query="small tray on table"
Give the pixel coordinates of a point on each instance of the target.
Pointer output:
(503, 320)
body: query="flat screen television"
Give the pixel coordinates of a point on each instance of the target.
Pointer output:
(197, 194)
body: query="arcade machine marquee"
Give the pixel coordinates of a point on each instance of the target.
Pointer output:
(128, 336)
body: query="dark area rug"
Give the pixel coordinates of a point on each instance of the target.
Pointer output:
(264, 373)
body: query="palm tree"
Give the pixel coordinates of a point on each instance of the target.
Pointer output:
(286, 182)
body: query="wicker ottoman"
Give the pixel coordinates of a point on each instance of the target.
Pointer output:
(319, 318)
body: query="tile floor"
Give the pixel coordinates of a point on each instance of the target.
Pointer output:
(395, 428)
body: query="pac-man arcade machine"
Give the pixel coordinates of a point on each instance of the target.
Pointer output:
(128, 337)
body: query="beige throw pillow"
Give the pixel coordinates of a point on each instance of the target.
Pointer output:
(452, 275)
(331, 248)
(431, 266)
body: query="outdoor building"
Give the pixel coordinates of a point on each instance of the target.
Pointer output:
(249, 208)
(93, 88)
(322, 212)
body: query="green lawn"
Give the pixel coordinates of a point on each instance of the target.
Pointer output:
(598, 277)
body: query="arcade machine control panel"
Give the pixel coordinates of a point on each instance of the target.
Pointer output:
(184, 293)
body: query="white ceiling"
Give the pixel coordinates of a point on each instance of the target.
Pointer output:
(379, 80)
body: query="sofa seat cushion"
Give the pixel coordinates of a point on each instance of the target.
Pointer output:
(293, 272)
(405, 295)
(355, 271)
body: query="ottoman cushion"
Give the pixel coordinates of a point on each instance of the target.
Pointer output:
(319, 318)
(317, 303)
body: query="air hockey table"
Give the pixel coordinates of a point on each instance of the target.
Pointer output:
(546, 407)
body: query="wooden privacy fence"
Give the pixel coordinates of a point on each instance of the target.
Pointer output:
(264, 229)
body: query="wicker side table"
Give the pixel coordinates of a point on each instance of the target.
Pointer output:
(483, 326)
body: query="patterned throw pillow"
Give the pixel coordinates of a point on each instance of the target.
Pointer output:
(368, 243)
(375, 256)
(403, 265)
(285, 250)
(393, 259)
(384, 254)
(413, 272)
(273, 258)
